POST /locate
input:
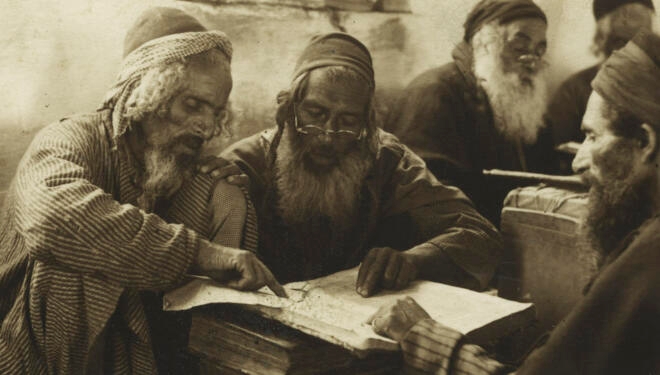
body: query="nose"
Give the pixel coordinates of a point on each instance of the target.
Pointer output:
(582, 160)
(204, 127)
(326, 137)
(529, 61)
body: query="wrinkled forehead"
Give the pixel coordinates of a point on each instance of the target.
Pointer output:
(598, 114)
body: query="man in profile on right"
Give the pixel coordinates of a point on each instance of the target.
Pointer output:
(615, 328)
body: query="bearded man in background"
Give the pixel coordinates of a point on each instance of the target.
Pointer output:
(484, 110)
(617, 21)
(332, 190)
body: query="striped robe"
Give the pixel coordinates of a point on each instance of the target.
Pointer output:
(77, 255)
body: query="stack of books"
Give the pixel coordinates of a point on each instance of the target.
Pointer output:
(231, 340)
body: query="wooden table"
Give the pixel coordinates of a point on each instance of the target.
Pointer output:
(230, 340)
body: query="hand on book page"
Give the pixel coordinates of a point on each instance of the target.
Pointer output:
(204, 290)
(396, 318)
(330, 308)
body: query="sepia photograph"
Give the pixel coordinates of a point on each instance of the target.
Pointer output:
(331, 187)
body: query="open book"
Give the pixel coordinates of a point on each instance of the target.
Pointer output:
(329, 308)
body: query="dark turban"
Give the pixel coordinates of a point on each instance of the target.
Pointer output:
(630, 78)
(603, 7)
(159, 36)
(336, 49)
(503, 11)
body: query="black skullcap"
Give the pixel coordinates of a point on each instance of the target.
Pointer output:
(336, 49)
(504, 11)
(603, 7)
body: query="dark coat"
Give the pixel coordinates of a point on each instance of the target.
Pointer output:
(567, 107)
(403, 206)
(445, 117)
(615, 328)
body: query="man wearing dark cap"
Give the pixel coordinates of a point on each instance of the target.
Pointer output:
(484, 109)
(617, 21)
(332, 190)
(105, 212)
(614, 329)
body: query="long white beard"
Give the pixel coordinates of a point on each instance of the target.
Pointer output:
(163, 176)
(304, 195)
(517, 106)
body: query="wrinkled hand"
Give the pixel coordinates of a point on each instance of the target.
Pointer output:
(220, 168)
(238, 269)
(387, 268)
(395, 319)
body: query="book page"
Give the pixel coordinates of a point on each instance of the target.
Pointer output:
(330, 308)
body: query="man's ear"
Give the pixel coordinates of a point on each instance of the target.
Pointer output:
(649, 143)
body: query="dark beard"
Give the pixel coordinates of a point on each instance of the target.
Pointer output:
(615, 211)
(617, 205)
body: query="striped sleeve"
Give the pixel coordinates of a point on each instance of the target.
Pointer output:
(431, 348)
(67, 218)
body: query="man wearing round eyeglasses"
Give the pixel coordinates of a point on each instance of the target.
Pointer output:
(332, 190)
(484, 110)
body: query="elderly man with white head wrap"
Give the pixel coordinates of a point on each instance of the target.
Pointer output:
(105, 212)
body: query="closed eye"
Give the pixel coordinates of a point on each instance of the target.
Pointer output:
(349, 122)
(314, 111)
(192, 104)
(316, 114)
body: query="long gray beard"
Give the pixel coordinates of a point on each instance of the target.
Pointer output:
(518, 107)
(305, 195)
(163, 176)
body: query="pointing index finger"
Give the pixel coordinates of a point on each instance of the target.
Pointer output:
(277, 288)
(273, 284)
